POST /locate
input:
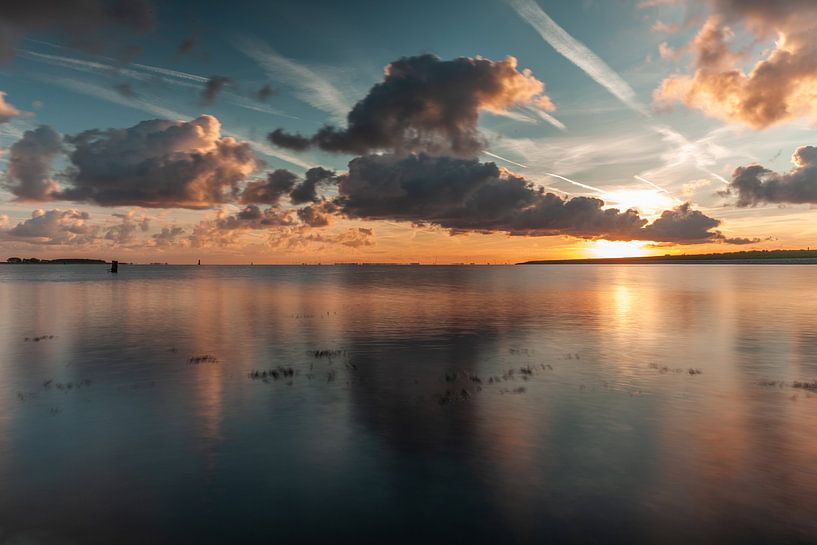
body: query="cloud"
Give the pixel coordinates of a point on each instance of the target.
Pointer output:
(187, 46)
(425, 104)
(252, 217)
(80, 21)
(682, 225)
(157, 164)
(125, 232)
(125, 89)
(307, 190)
(576, 52)
(317, 215)
(60, 227)
(265, 92)
(755, 184)
(352, 237)
(310, 84)
(778, 88)
(278, 183)
(168, 236)
(469, 196)
(213, 87)
(28, 174)
(7, 111)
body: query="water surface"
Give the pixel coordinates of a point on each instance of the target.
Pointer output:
(564, 404)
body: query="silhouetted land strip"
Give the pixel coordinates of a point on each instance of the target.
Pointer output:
(770, 257)
(64, 261)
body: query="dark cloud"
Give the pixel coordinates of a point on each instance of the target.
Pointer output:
(425, 104)
(125, 89)
(82, 22)
(278, 183)
(307, 190)
(187, 46)
(265, 92)
(756, 184)
(252, 217)
(213, 87)
(157, 164)
(292, 141)
(28, 174)
(469, 196)
(683, 225)
(68, 227)
(316, 215)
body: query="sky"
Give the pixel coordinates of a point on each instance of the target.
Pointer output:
(486, 131)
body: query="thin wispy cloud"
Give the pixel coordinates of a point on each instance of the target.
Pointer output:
(97, 91)
(151, 107)
(146, 73)
(656, 186)
(577, 53)
(310, 86)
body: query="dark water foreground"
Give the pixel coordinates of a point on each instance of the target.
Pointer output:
(561, 404)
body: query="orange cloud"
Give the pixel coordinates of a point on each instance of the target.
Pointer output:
(780, 87)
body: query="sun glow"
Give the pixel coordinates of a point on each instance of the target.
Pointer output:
(649, 202)
(609, 248)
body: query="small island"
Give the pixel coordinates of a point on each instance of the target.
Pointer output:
(771, 257)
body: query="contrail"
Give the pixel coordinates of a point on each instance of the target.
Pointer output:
(656, 186)
(550, 119)
(718, 177)
(574, 182)
(577, 53)
(495, 156)
(311, 86)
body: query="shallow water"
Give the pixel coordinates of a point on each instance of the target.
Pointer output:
(600, 434)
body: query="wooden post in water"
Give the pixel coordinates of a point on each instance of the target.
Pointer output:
(114, 266)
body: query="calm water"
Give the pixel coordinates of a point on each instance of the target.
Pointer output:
(587, 425)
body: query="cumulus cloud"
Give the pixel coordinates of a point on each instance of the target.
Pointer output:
(159, 164)
(352, 237)
(278, 183)
(168, 236)
(60, 227)
(467, 195)
(80, 21)
(683, 225)
(317, 215)
(307, 190)
(779, 87)
(756, 184)
(7, 111)
(28, 174)
(125, 232)
(425, 104)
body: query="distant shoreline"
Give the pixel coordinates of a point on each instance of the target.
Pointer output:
(760, 257)
(65, 261)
